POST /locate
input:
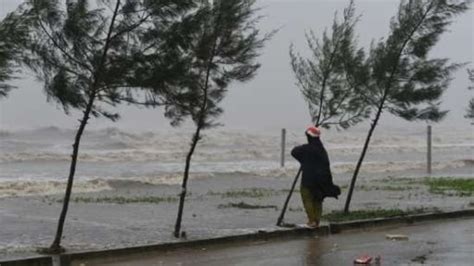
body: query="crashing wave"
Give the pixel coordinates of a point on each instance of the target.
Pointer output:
(11, 188)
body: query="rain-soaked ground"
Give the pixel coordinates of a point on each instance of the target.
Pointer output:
(435, 243)
(136, 213)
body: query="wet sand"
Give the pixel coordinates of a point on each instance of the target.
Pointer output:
(135, 213)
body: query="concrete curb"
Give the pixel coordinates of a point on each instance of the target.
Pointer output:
(333, 228)
(263, 235)
(336, 228)
(33, 261)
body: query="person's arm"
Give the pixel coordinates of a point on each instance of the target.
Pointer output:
(298, 153)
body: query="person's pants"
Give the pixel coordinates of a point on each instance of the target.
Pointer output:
(313, 207)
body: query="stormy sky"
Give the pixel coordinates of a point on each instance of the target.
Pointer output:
(271, 100)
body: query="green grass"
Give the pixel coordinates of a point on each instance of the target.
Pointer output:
(245, 193)
(461, 187)
(397, 188)
(340, 216)
(400, 180)
(243, 205)
(385, 188)
(123, 200)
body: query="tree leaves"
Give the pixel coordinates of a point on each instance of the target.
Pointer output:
(221, 42)
(411, 83)
(332, 80)
(401, 78)
(470, 108)
(13, 36)
(65, 44)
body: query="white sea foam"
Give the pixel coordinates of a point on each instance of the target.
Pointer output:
(18, 188)
(47, 187)
(43, 155)
(12, 188)
(368, 167)
(217, 154)
(11, 248)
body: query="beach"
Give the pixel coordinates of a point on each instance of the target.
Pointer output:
(126, 192)
(131, 213)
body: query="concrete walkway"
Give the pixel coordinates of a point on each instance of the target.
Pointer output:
(434, 243)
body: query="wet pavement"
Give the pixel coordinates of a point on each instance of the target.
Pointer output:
(435, 243)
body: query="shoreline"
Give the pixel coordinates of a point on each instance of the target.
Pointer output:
(134, 213)
(52, 186)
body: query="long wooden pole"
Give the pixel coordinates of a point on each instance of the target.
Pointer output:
(283, 210)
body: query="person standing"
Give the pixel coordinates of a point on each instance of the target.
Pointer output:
(316, 183)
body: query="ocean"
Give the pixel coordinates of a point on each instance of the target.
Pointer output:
(36, 161)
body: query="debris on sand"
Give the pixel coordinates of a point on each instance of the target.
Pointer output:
(365, 259)
(243, 205)
(420, 259)
(396, 237)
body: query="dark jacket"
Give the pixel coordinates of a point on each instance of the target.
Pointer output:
(314, 162)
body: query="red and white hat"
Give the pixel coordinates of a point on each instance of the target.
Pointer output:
(313, 132)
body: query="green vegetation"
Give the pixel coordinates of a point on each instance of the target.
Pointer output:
(222, 43)
(123, 200)
(399, 180)
(386, 188)
(339, 216)
(396, 188)
(461, 187)
(448, 186)
(243, 205)
(245, 193)
(470, 108)
(402, 78)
